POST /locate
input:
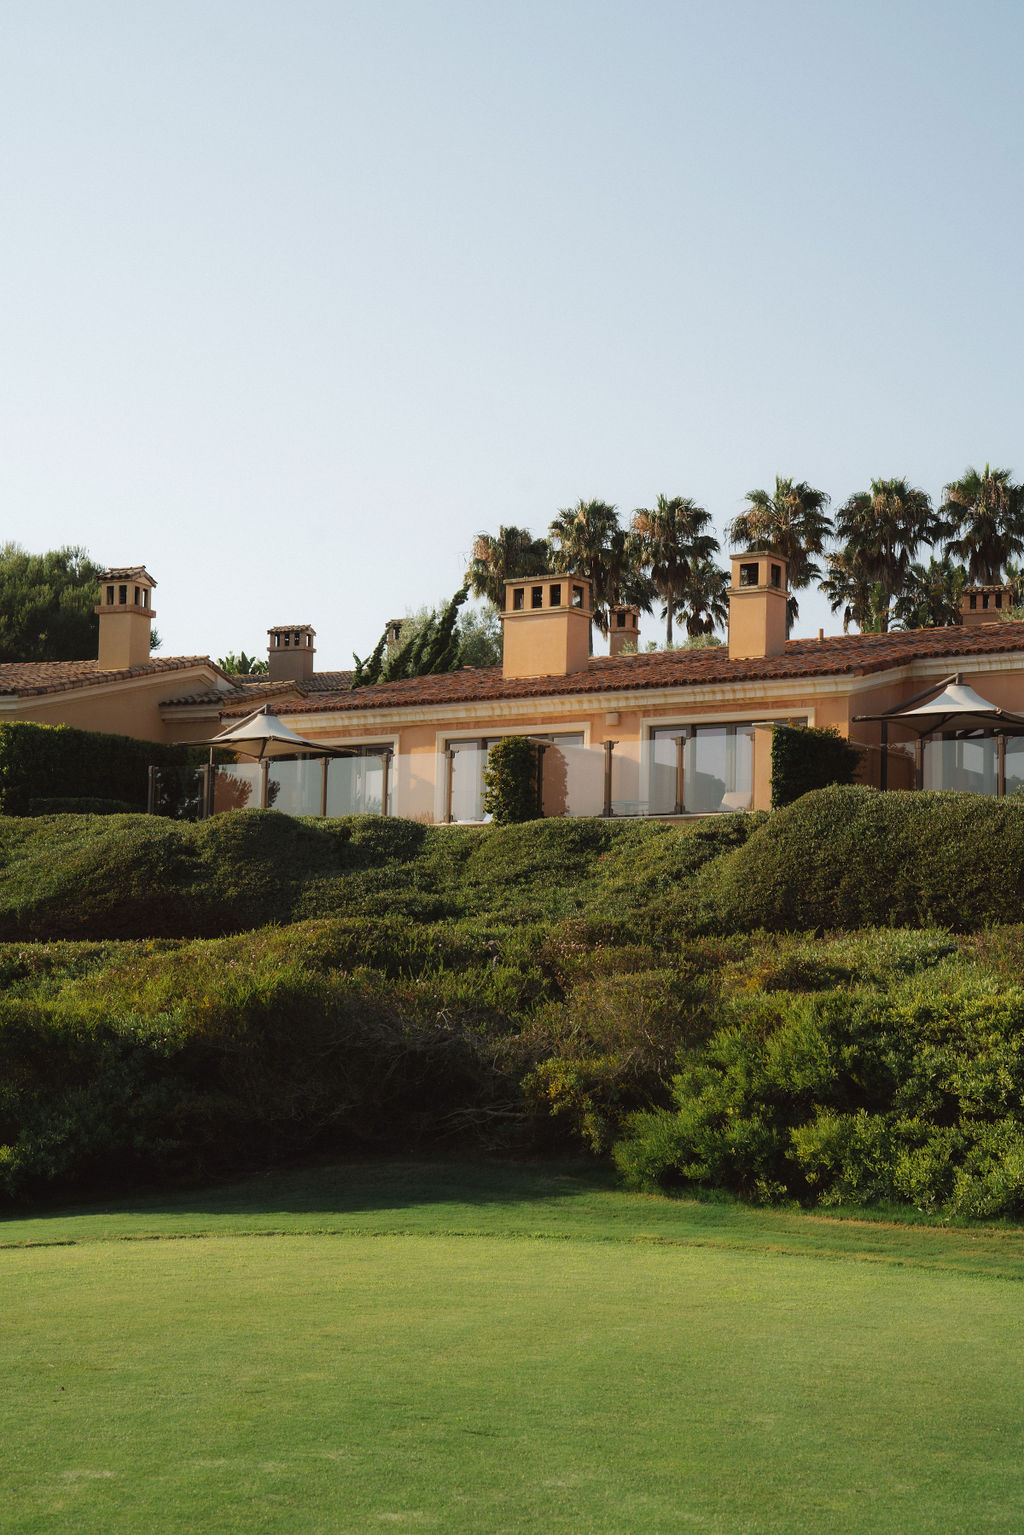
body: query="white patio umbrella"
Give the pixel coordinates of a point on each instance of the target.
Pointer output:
(263, 736)
(955, 709)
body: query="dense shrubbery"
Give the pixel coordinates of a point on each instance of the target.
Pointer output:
(510, 781)
(137, 876)
(911, 1095)
(838, 858)
(517, 987)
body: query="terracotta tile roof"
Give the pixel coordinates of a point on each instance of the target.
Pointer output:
(838, 655)
(258, 688)
(25, 679)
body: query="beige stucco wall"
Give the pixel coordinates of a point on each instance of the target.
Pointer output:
(130, 708)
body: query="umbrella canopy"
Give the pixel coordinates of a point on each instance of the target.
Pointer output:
(956, 708)
(262, 735)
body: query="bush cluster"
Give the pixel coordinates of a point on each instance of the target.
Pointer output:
(510, 781)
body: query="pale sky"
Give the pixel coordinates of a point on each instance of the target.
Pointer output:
(299, 295)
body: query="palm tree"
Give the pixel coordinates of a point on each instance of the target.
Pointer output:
(514, 552)
(847, 586)
(672, 537)
(930, 598)
(985, 514)
(704, 598)
(792, 521)
(586, 540)
(883, 528)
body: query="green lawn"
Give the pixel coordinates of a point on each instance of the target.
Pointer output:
(485, 1349)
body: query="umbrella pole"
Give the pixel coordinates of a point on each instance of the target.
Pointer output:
(883, 771)
(264, 781)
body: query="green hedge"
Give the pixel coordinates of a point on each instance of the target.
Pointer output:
(147, 876)
(60, 762)
(804, 758)
(850, 857)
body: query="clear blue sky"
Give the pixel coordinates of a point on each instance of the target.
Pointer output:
(298, 296)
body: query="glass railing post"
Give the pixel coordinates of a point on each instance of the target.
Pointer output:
(609, 747)
(448, 776)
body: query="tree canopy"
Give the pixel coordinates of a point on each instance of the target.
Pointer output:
(428, 646)
(673, 539)
(243, 665)
(46, 604)
(985, 514)
(513, 552)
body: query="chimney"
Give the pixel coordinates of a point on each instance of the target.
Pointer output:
(290, 652)
(623, 630)
(545, 624)
(985, 605)
(125, 617)
(757, 605)
(393, 633)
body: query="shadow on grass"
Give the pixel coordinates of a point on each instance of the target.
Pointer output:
(352, 1188)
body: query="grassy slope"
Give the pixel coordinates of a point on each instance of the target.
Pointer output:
(635, 1364)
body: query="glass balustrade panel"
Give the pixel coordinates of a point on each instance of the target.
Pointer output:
(236, 787)
(466, 780)
(1014, 764)
(355, 785)
(951, 764)
(572, 780)
(415, 786)
(628, 777)
(295, 787)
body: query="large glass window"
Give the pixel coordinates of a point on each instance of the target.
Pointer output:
(701, 769)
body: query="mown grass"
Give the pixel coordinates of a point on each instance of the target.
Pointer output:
(467, 1348)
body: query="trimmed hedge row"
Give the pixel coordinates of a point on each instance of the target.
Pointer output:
(58, 762)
